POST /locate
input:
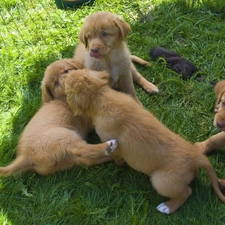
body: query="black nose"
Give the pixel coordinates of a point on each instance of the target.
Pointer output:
(220, 124)
(94, 50)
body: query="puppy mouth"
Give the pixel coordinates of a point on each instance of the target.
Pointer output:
(95, 55)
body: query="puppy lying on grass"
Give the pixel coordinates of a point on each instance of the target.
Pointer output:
(103, 47)
(53, 139)
(217, 141)
(143, 141)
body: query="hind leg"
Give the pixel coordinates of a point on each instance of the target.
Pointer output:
(142, 82)
(173, 187)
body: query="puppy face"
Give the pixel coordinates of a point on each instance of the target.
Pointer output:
(103, 31)
(51, 85)
(219, 119)
(81, 86)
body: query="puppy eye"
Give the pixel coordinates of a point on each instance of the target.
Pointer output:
(66, 71)
(104, 34)
(56, 83)
(223, 104)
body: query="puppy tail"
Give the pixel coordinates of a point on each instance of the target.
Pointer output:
(19, 165)
(204, 162)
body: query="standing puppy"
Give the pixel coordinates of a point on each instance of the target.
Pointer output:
(143, 141)
(103, 47)
(218, 140)
(54, 138)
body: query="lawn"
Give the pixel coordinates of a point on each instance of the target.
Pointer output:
(34, 34)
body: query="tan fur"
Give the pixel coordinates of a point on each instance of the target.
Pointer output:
(143, 141)
(53, 139)
(103, 35)
(217, 141)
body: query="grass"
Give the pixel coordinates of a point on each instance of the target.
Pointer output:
(34, 34)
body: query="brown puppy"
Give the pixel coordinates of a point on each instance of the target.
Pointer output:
(218, 140)
(53, 139)
(143, 141)
(103, 47)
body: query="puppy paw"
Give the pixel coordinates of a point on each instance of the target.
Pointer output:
(163, 208)
(112, 145)
(151, 88)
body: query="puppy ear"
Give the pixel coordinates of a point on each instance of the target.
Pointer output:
(219, 96)
(77, 91)
(123, 26)
(104, 75)
(76, 103)
(46, 93)
(82, 37)
(76, 64)
(219, 90)
(104, 78)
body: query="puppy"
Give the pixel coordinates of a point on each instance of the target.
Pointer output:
(103, 47)
(218, 140)
(143, 141)
(53, 139)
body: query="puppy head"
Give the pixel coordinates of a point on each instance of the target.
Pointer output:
(102, 30)
(219, 118)
(82, 87)
(51, 86)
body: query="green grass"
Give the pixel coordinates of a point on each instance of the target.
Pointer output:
(34, 34)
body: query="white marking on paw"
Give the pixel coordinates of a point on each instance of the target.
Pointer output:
(163, 208)
(112, 145)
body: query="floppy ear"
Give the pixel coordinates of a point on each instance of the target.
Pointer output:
(103, 75)
(219, 96)
(219, 90)
(46, 93)
(82, 37)
(79, 95)
(78, 65)
(123, 26)
(77, 103)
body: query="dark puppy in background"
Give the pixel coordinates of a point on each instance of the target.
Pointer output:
(54, 138)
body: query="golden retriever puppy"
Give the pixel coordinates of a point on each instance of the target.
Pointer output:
(218, 140)
(103, 47)
(53, 139)
(143, 141)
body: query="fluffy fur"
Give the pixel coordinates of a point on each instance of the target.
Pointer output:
(143, 141)
(217, 141)
(103, 47)
(53, 139)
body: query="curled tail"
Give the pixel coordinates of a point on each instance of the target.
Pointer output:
(19, 165)
(204, 162)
